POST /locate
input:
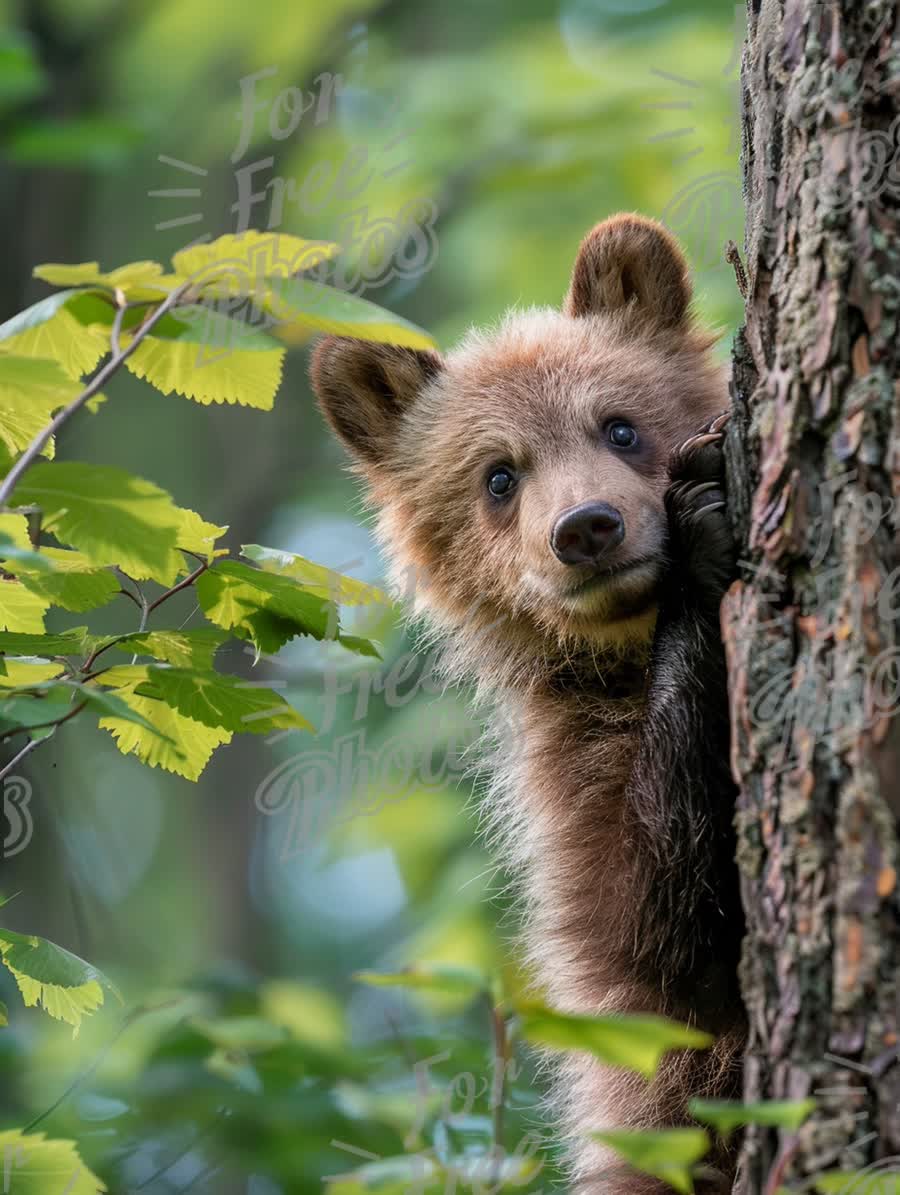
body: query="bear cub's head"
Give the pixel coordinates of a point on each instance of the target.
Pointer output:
(520, 478)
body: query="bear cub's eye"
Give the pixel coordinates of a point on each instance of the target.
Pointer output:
(501, 482)
(621, 434)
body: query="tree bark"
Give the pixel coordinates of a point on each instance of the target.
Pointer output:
(810, 628)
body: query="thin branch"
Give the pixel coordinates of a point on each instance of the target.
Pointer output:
(26, 750)
(37, 445)
(188, 581)
(116, 330)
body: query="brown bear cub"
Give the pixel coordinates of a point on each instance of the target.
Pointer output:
(556, 487)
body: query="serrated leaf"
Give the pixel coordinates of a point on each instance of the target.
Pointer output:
(728, 1115)
(31, 390)
(360, 646)
(209, 375)
(636, 1042)
(263, 607)
(211, 698)
(303, 308)
(184, 649)
(667, 1154)
(65, 985)
(66, 578)
(46, 702)
(62, 339)
(35, 1165)
(316, 578)
(190, 744)
(434, 977)
(111, 516)
(235, 263)
(139, 280)
(198, 536)
(20, 609)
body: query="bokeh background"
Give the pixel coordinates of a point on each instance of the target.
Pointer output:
(521, 123)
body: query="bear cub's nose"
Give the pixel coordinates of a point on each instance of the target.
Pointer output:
(584, 534)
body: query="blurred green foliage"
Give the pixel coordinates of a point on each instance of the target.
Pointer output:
(231, 915)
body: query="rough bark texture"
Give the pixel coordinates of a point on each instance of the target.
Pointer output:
(814, 475)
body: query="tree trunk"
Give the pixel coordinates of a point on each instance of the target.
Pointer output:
(814, 475)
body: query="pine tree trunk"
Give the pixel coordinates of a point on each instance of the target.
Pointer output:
(814, 480)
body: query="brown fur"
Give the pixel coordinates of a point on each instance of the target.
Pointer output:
(620, 832)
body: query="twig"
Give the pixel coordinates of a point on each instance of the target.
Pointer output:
(37, 445)
(26, 750)
(164, 597)
(116, 329)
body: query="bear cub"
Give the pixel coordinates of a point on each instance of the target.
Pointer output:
(556, 487)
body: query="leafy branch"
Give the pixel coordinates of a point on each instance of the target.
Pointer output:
(117, 360)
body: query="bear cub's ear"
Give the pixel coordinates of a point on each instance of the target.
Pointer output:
(363, 389)
(630, 261)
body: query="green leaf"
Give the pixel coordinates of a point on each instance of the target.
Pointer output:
(316, 578)
(635, 1042)
(190, 322)
(727, 1115)
(208, 374)
(36, 1166)
(106, 513)
(859, 1182)
(35, 315)
(31, 390)
(62, 339)
(262, 607)
(303, 308)
(360, 646)
(187, 747)
(47, 701)
(10, 550)
(138, 274)
(73, 642)
(667, 1154)
(434, 977)
(24, 674)
(4, 1015)
(184, 649)
(66, 578)
(211, 698)
(20, 609)
(237, 262)
(65, 985)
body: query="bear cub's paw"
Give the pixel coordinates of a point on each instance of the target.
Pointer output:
(701, 544)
